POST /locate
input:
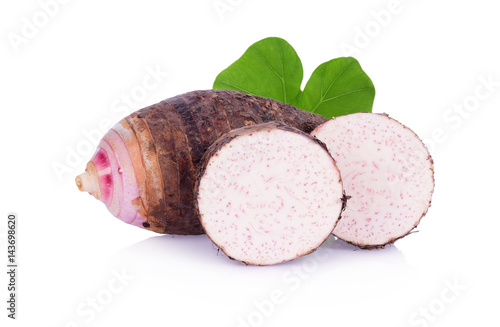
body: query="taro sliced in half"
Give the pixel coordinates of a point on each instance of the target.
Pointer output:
(268, 193)
(387, 173)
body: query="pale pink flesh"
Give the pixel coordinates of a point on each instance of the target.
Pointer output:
(270, 196)
(386, 170)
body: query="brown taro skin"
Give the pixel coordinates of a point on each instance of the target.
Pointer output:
(174, 134)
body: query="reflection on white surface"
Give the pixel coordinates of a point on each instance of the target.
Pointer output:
(173, 265)
(201, 250)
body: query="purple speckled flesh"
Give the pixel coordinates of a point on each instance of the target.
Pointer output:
(269, 194)
(387, 172)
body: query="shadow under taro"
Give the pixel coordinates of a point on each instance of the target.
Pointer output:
(199, 249)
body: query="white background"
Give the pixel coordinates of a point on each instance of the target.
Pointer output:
(63, 80)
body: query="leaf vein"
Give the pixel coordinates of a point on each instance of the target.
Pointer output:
(347, 93)
(330, 87)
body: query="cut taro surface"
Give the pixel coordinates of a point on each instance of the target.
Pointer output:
(388, 177)
(268, 193)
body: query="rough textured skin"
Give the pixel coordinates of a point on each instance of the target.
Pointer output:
(174, 134)
(388, 176)
(301, 231)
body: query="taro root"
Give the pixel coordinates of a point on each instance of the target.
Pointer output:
(268, 193)
(145, 168)
(388, 177)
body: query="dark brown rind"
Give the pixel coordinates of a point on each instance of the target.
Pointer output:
(228, 137)
(181, 129)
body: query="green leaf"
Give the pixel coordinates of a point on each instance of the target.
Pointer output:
(271, 68)
(338, 87)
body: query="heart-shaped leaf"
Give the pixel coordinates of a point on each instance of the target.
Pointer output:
(338, 87)
(271, 68)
